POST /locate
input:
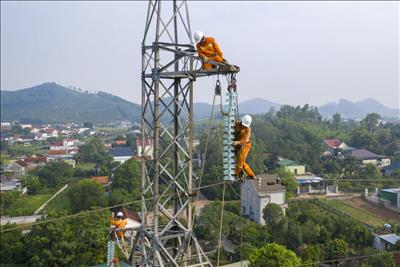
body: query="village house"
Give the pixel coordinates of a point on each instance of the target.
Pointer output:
(334, 147)
(292, 166)
(257, 194)
(394, 166)
(35, 161)
(364, 157)
(390, 197)
(17, 168)
(121, 154)
(103, 180)
(10, 184)
(147, 150)
(385, 242)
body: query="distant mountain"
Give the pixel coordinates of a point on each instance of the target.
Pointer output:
(50, 102)
(257, 106)
(357, 110)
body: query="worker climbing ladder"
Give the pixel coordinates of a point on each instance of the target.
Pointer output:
(230, 116)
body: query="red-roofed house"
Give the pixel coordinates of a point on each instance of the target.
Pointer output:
(103, 180)
(120, 142)
(17, 168)
(334, 147)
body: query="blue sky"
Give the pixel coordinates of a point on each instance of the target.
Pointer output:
(289, 52)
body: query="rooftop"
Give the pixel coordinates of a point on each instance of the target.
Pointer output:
(121, 152)
(267, 183)
(391, 238)
(363, 154)
(333, 143)
(288, 162)
(391, 190)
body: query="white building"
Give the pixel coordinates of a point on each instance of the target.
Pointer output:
(148, 149)
(257, 194)
(385, 242)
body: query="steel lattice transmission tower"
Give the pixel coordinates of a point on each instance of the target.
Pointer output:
(169, 68)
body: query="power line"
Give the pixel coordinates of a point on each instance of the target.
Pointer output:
(349, 258)
(94, 211)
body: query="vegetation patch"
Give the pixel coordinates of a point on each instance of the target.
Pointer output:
(360, 215)
(25, 205)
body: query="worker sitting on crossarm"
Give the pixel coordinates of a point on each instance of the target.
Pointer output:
(119, 222)
(242, 146)
(208, 49)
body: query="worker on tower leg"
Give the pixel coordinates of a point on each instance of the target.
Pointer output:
(119, 222)
(242, 146)
(208, 49)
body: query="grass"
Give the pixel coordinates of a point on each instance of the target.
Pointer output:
(26, 205)
(86, 166)
(59, 203)
(360, 215)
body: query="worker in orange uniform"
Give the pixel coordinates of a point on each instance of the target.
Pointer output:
(119, 222)
(208, 49)
(242, 146)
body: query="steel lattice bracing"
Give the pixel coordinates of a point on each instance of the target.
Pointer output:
(168, 71)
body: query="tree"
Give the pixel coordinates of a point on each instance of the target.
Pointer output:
(336, 249)
(337, 120)
(8, 198)
(32, 183)
(80, 241)
(88, 125)
(288, 181)
(371, 121)
(275, 220)
(11, 252)
(54, 173)
(93, 151)
(128, 176)
(311, 253)
(381, 260)
(86, 194)
(273, 255)
(120, 196)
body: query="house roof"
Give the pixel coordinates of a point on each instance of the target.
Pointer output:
(121, 152)
(392, 190)
(120, 142)
(58, 152)
(57, 143)
(391, 238)
(22, 163)
(267, 183)
(100, 179)
(362, 154)
(287, 162)
(147, 142)
(333, 143)
(36, 158)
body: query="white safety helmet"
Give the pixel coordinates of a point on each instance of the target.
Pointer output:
(120, 214)
(198, 36)
(246, 120)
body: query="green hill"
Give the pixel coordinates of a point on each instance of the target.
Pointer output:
(50, 102)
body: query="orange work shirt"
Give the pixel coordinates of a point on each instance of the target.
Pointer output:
(209, 49)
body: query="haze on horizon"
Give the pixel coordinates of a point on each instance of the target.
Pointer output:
(289, 52)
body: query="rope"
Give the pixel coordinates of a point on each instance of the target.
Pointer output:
(205, 155)
(221, 224)
(346, 259)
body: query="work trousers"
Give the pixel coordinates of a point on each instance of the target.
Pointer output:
(241, 155)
